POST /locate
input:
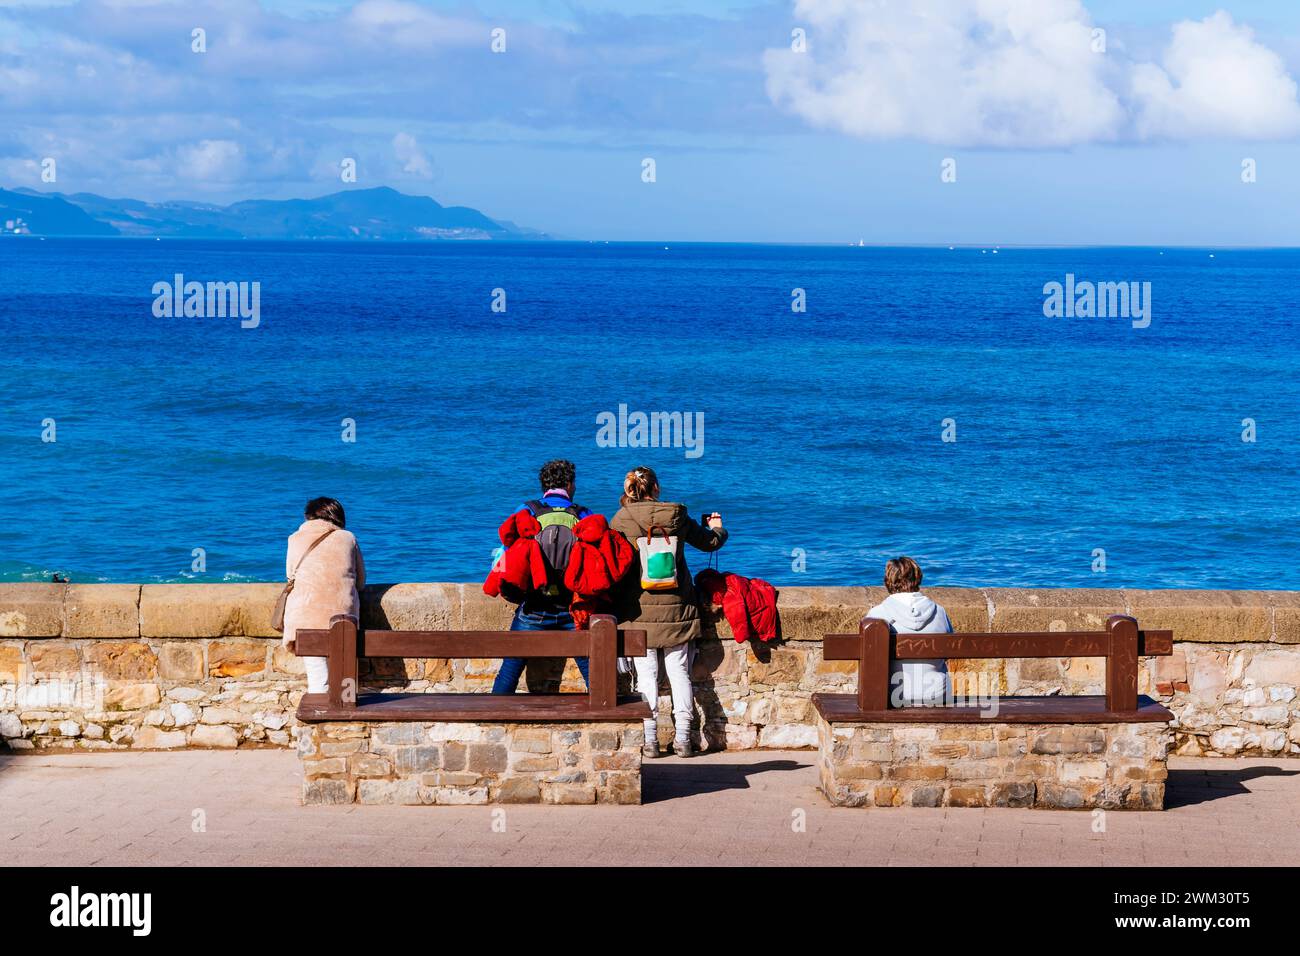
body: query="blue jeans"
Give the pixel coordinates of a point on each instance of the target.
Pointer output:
(513, 667)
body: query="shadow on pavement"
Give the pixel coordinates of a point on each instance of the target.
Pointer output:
(668, 777)
(1187, 788)
(9, 757)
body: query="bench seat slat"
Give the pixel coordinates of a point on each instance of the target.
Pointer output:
(843, 708)
(474, 708)
(972, 645)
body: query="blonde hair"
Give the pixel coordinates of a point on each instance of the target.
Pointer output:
(902, 574)
(640, 484)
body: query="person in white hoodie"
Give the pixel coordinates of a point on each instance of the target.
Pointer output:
(913, 683)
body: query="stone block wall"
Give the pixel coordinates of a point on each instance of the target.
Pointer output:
(1062, 767)
(198, 665)
(414, 763)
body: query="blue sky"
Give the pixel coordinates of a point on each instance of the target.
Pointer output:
(1055, 140)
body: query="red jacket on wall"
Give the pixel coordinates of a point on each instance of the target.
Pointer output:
(749, 604)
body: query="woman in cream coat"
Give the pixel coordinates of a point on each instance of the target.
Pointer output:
(328, 582)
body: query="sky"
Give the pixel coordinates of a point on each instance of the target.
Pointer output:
(1165, 122)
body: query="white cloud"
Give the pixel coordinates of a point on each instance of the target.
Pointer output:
(210, 160)
(414, 26)
(24, 172)
(412, 158)
(1215, 80)
(960, 72)
(1022, 73)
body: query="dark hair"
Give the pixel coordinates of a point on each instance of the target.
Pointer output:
(327, 509)
(902, 574)
(558, 473)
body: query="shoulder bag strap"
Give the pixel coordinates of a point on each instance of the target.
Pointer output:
(310, 548)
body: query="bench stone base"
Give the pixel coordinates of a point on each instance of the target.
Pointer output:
(1056, 766)
(416, 763)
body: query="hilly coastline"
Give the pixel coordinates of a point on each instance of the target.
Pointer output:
(380, 213)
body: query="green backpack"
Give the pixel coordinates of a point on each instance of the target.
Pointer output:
(556, 542)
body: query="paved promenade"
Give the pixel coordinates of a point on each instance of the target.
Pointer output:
(239, 808)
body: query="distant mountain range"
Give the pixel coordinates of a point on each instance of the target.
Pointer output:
(379, 213)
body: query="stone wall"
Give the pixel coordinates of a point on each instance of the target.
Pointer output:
(1072, 767)
(197, 665)
(416, 763)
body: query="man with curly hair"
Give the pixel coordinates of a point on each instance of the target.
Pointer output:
(548, 608)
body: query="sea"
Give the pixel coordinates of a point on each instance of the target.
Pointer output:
(837, 405)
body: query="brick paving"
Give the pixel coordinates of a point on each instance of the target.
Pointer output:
(732, 808)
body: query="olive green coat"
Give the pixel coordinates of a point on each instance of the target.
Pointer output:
(668, 617)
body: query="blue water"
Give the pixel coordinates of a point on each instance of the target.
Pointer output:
(822, 430)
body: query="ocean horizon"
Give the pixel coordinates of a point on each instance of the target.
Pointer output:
(923, 403)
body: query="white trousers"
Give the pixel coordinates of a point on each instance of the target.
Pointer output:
(918, 683)
(677, 661)
(318, 674)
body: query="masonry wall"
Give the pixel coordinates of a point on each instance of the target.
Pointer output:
(109, 666)
(418, 762)
(1059, 767)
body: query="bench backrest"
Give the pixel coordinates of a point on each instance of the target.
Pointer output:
(602, 644)
(875, 647)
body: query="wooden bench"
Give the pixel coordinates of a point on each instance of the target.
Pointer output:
(1073, 751)
(344, 644)
(471, 748)
(875, 647)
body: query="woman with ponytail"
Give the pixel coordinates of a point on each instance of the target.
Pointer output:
(658, 596)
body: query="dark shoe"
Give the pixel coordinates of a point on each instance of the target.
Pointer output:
(683, 748)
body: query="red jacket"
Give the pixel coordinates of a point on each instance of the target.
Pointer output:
(521, 568)
(598, 559)
(749, 604)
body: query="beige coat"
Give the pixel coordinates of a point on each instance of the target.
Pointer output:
(668, 617)
(329, 581)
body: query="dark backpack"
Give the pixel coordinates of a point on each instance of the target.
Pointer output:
(556, 542)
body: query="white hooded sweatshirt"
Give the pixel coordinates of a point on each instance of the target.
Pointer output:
(915, 683)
